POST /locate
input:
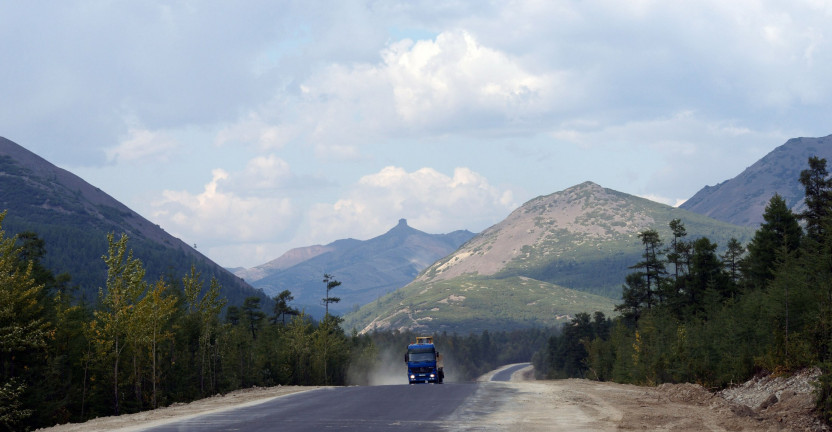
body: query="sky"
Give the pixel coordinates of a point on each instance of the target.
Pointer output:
(248, 128)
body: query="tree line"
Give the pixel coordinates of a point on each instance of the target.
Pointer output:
(689, 314)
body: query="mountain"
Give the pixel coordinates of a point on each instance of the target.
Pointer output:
(367, 269)
(73, 218)
(554, 256)
(743, 199)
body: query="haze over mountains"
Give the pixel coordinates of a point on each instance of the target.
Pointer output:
(74, 218)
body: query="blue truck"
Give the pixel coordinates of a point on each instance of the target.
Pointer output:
(424, 363)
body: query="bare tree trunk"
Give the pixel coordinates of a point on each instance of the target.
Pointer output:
(86, 370)
(137, 384)
(115, 379)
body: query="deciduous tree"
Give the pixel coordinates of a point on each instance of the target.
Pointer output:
(125, 285)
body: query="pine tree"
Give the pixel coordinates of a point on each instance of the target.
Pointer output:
(780, 230)
(818, 189)
(282, 308)
(651, 268)
(331, 283)
(731, 259)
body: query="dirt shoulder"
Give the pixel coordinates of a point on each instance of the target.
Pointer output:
(763, 404)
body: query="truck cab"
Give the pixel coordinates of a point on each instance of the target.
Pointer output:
(424, 363)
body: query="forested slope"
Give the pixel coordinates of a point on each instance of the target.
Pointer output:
(73, 218)
(688, 314)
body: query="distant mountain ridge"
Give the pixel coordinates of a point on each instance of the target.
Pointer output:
(367, 269)
(554, 256)
(74, 218)
(743, 199)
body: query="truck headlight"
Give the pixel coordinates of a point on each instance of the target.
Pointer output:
(432, 375)
(413, 377)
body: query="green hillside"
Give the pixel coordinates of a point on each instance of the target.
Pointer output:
(597, 263)
(472, 304)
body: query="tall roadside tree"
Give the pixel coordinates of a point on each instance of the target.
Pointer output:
(818, 188)
(706, 274)
(651, 267)
(253, 315)
(125, 286)
(23, 330)
(678, 254)
(153, 327)
(203, 312)
(282, 308)
(816, 259)
(643, 287)
(779, 233)
(731, 259)
(331, 283)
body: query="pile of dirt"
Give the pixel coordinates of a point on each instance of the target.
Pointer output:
(788, 399)
(772, 400)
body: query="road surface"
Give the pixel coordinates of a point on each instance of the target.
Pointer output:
(490, 404)
(504, 374)
(399, 407)
(380, 408)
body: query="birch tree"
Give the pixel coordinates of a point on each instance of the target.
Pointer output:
(125, 285)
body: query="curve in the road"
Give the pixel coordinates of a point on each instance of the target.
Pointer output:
(506, 373)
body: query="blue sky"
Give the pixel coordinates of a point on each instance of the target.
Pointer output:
(248, 128)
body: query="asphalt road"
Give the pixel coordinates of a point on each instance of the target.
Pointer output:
(393, 407)
(421, 407)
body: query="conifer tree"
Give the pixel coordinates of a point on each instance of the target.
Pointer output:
(731, 259)
(253, 315)
(818, 192)
(331, 283)
(651, 268)
(282, 308)
(780, 230)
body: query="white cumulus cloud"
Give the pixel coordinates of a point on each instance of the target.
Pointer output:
(220, 214)
(450, 84)
(430, 200)
(143, 145)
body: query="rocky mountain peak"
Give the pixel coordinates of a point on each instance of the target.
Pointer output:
(585, 212)
(742, 200)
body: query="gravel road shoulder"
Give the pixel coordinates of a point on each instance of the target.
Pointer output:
(763, 404)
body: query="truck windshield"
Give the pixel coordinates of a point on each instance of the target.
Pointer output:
(421, 355)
